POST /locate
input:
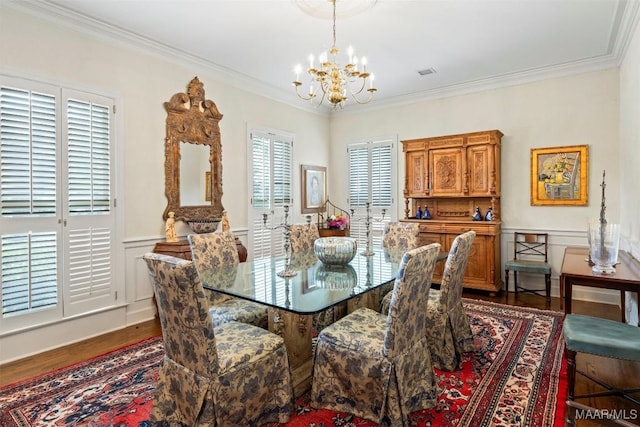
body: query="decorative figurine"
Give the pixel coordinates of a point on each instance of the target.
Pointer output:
(489, 215)
(225, 222)
(419, 213)
(170, 228)
(477, 216)
(426, 214)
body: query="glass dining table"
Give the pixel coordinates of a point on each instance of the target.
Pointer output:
(293, 301)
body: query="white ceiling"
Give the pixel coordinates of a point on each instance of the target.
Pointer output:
(471, 44)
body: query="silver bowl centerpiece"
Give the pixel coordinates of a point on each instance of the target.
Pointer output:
(335, 250)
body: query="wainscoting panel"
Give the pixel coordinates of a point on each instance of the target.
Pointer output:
(138, 283)
(558, 241)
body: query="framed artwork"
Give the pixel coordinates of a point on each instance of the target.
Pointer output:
(559, 175)
(314, 188)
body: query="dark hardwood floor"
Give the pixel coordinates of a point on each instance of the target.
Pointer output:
(617, 372)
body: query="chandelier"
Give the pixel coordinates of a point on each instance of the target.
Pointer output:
(334, 82)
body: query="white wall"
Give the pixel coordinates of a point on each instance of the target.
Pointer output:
(141, 82)
(630, 156)
(577, 110)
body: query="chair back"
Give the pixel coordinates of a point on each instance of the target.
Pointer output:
(215, 256)
(454, 269)
(406, 322)
(530, 246)
(303, 236)
(213, 250)
(403, 235)
(187, 330)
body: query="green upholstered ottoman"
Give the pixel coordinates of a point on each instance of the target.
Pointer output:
(601, 337)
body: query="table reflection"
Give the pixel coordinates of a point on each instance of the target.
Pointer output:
(314, 288)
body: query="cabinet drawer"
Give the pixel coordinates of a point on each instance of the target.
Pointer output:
(480, 227)
(431, 227)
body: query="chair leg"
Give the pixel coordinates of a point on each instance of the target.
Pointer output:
(515, 282)
(547, 285)
(571, 385)
(506, 281)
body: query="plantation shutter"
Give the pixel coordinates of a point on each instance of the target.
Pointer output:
(371, 171)
(271, 171)
(381, 190)
(29, 239)
(90, 225)
(56, 220)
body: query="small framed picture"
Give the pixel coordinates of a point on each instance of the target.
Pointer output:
(314, 188)
(559, 175)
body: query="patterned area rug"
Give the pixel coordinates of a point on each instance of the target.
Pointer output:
(515, 378)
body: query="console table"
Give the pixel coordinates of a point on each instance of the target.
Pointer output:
(181, 249)
(576, 271)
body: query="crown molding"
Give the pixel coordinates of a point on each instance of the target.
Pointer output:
(627, 16)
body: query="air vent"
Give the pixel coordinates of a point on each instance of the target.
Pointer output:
(427, 72)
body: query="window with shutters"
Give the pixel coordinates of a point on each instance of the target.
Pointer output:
(56, 216)
(371, 180)
(270, 174)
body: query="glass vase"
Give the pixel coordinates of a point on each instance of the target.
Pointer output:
(604, 242)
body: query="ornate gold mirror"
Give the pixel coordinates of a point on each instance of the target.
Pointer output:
(193, 159)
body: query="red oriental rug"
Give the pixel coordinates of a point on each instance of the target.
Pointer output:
(516, 377)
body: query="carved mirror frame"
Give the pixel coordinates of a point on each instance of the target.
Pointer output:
(195, 120)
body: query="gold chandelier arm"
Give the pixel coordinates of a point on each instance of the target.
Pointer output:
(371, 91)
(306, 98)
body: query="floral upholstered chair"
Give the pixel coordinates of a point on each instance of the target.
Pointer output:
(403, 235)
(303, 236)
(215, 256)
(379, 367)
(397, 238)
(451, 333)
(233, 374)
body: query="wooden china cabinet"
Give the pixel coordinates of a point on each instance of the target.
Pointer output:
(452, 176)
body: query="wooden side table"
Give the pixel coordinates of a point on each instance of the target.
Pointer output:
(576, 271)
(179, 249)
(333, 232)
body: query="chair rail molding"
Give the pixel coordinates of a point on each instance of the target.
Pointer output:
(558, 241)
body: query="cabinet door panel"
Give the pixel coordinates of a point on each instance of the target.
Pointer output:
(477, 271)
(480, 163)
(446, 167)
(416, 170)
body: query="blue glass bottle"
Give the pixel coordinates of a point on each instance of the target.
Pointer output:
(477, 216)
(489, 215)
(419, 213)
(426, 214)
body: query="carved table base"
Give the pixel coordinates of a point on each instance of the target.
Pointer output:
(296, 331)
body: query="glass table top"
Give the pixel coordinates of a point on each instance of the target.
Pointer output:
(314, 288)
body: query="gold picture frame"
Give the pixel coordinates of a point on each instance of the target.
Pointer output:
(559, 176)
(314, 187)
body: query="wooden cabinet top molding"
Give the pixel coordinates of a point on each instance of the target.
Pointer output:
(460, 140)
